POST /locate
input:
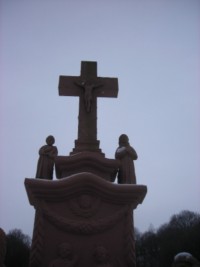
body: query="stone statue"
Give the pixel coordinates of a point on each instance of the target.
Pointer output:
(126, 154)
(88, 89)
(65, 257)
(185, 259)
(101, 257)
(47, 154)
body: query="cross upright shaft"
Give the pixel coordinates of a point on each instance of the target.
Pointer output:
(88, 87)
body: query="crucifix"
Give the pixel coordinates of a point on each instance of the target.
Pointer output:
(87, 87)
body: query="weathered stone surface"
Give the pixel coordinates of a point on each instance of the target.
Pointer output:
(88, 87)
(126, 154)
(46, 160)
(185, 259)
(87, 162)
(84, 219)
(86, 212)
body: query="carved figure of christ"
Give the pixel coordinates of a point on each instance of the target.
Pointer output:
(87, 87)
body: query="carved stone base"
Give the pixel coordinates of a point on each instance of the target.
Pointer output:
(91, 146)
(83, 221)
(86, 162)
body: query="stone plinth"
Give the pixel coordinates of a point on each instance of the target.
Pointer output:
(90, 216)
(87, 162)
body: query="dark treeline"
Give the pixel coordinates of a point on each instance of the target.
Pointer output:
(18, 249)
(154, 248)
(158, 248)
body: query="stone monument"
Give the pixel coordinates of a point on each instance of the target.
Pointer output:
(83, 218)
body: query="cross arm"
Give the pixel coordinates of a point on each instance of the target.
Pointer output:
(109, 87)
(68, 87)
(105, 87)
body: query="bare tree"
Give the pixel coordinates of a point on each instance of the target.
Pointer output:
(158, 248)
(18, 249)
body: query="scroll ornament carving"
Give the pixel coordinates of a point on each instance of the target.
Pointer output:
(82, 226)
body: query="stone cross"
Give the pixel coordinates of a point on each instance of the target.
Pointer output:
(87, 87)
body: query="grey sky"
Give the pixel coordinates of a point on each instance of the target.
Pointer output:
(152, 47)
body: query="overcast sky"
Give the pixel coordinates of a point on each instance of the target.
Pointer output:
(152, 47)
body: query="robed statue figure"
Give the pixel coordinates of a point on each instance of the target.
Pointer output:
(126, 154)
(46, 160)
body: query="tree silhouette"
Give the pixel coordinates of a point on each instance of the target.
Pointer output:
(18, 249)
(158, 248)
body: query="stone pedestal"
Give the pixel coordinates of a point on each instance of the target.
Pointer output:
(87, 162)
(83, 220)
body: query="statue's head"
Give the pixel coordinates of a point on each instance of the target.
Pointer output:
(123, 139)
(65, 250)
(184, 259)
(50, 140)
(101, 254)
